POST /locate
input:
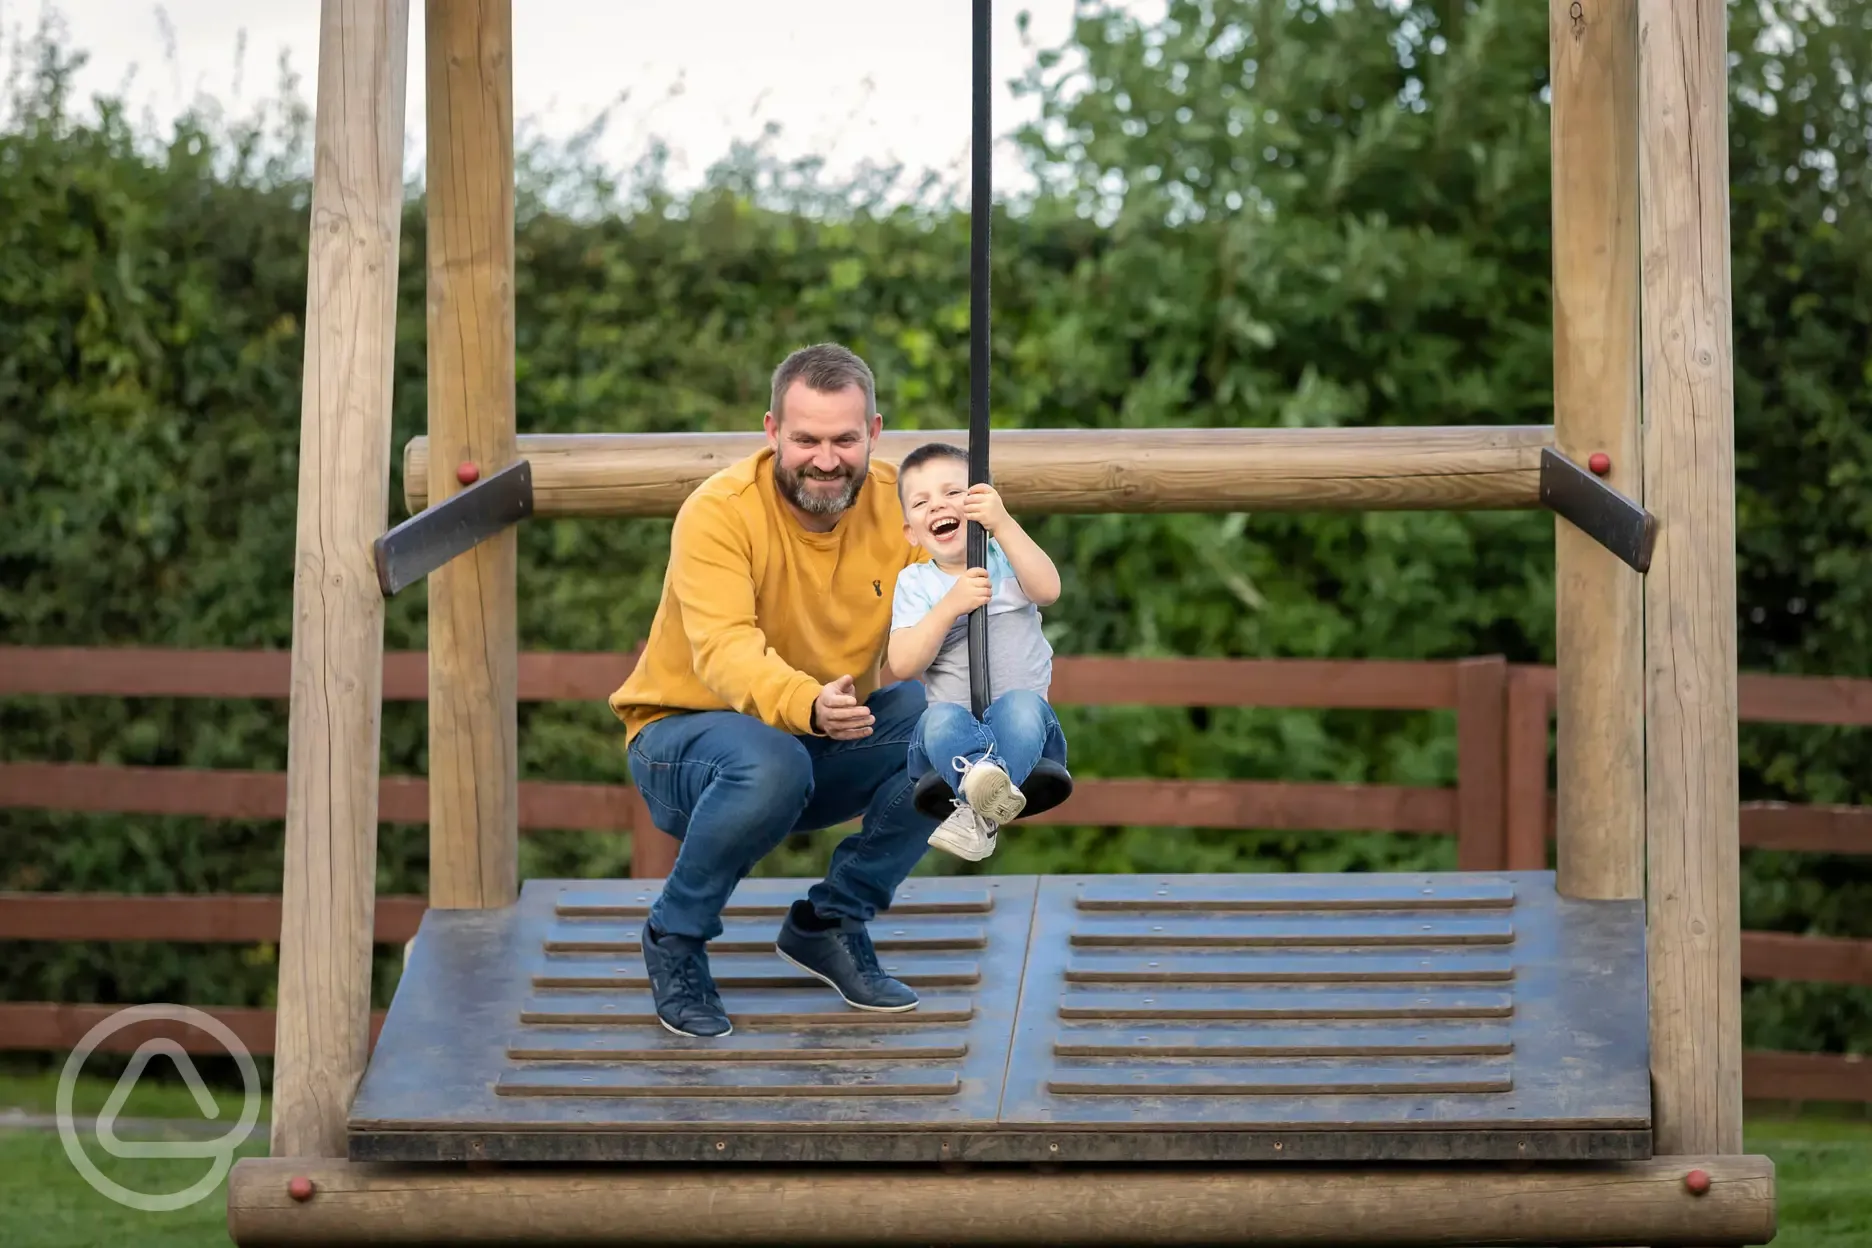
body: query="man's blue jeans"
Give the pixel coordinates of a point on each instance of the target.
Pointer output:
(731, 788)
(1017, 731)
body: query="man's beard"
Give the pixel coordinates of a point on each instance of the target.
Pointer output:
(792, 487)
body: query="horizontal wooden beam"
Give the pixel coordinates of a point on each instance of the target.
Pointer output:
(1094, 680)
(1769, 698)
(1077, 471)
(1082, 680)
(1812, 829)
(254, 918)
(1273, 804)
(1811, 959)
(1643, 1202)
(57, 1027)
(223, 794)
(1840, 1078)
(213, 918)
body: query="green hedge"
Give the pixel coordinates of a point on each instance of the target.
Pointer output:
(1257, 214)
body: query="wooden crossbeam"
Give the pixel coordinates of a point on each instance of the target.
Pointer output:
(1081, 471)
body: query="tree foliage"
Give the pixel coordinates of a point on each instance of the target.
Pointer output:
(1248, 212)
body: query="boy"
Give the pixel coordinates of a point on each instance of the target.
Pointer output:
(985, 760)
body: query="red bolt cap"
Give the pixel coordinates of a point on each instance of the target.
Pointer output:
(1600, 463)
(300, 1188)
(1698, 1181)
(468, 473)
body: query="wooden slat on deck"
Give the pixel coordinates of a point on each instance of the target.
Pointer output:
(531, 1035)
(1464, 1016)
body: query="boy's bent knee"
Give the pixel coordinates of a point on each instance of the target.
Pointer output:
(1024, 706)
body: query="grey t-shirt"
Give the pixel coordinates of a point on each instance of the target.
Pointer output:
(1019, 655)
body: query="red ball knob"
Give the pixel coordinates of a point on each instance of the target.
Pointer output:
(300, 1188)
(1698, 1181)
(468, 473)
(1600, 463)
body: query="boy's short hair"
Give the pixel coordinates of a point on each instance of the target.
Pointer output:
(927, 453)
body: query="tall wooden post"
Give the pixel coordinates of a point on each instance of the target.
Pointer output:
(329, 882)
(1599, 641)
(473, 660)
(1691, 794)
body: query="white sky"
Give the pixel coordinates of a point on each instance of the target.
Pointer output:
(848, 80)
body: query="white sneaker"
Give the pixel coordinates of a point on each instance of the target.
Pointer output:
(987, 788)
(966, 833)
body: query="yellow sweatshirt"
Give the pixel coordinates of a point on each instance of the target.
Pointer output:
(759, 612)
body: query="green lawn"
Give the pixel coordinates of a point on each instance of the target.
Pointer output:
(1822, 1164)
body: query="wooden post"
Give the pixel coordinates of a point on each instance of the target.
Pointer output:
(473, 659)
(1525, 799)
(1599, 601)
(328, 886)
(1691, 796)
(1481, 703)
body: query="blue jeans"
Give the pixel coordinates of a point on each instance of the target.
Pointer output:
(730, 789)
(1017, 731)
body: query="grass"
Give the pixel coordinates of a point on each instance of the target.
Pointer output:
(1821, 1163)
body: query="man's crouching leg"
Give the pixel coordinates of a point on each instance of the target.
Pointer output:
(825, 933)
(729, 788)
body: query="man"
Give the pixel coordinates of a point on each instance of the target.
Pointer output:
(758, 707)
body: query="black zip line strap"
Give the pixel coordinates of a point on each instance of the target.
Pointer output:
(981, 153)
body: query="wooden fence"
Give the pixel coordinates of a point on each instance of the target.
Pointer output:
(1500, 809)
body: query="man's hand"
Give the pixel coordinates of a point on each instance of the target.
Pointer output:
(983, 505)
(972, 589)
(841, 716)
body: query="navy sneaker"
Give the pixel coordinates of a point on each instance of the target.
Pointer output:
(687, 1001)
(843, 957)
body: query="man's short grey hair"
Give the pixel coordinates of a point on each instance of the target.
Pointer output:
(828, 368)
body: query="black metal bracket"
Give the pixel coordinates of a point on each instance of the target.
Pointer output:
(1597, 510)
(457, 524)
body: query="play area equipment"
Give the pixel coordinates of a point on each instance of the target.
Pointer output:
(1547, 1057)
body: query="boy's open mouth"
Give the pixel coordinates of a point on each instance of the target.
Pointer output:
(945, 526)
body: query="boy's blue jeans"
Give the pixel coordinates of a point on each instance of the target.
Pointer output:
(731, 788)
(1017, 731)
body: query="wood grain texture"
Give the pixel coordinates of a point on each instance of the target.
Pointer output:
(329, 880)
(57, 1026)
(225, 918)
(1640, 1202)
(1691, 786)
(1100, 680)
(1481, 703)
(1060, 471)
(1599, 600)
(1292, 805)
(1345, 684)
(1525, 744)
(473, 726)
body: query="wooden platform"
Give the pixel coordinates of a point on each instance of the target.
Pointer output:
(1091, 1019)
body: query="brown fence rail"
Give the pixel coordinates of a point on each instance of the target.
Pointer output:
(1500, 810)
